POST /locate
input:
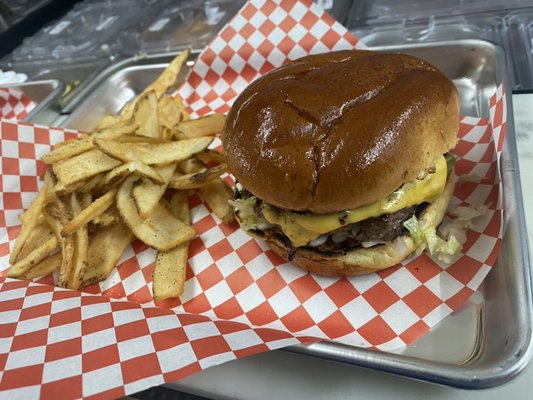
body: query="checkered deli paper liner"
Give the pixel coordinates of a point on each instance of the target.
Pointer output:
(14, 104)
(240, 298)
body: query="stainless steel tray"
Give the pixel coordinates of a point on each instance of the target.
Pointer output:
(45, 94)
(488, 341)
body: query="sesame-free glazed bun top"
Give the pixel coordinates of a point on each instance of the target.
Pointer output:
(336, 131)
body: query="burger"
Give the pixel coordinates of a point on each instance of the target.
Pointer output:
(342, 160)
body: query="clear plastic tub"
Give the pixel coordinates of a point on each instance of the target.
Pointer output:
(393, 10)
(186, 24)
(387, 23)
(86, 32)
(338, 9)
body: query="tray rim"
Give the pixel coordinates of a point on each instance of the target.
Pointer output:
(58, 88)
(466, 376)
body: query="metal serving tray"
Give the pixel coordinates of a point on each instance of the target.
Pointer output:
(488, 341)
(44, 94)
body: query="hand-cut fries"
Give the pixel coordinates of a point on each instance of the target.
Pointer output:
(171, 265)
(105, 249)
(43, 267)
(88, 214)
(217, 193)
(83, 166)
(154, 153)
(145, 114)
(34, 257)
(108, 187)
(81, 245)
(70, 149)
(30, 219)
(196, 180)
(160, 230)
(147, 194)
(209, 125)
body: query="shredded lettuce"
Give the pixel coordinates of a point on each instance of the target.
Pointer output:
(414, 230)
(247, 216)
(428, 238)
(450, 161)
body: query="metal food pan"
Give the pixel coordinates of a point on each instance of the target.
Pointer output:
(113, 88)
(488, 341)
(44, 93)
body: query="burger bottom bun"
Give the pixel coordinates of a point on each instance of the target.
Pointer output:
(361, 260)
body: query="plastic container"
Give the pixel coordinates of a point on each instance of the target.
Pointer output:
(187, 24)
(338, 9)
(87, 32)
(393, 10)
(385, 23)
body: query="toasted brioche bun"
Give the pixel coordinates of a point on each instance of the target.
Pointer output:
(361, 260)
(336, 131)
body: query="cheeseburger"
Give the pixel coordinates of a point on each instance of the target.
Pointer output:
(341, 159)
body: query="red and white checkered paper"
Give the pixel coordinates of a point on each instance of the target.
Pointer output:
(14, 104)
(240, 298)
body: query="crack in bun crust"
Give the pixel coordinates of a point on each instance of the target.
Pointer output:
(336, 131)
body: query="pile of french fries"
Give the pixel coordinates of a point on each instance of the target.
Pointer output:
(127, 179)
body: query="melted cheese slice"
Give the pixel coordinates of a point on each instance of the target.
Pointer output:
(304, 228)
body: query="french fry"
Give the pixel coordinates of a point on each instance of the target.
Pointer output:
(72, 148)
(50, 181)
(61, 189)
(192, 166)
(31, 216)
(209, 125)
(147, 194)
(57, 216)
(169, 116)
(171, 265)
(145, 115)
(162, 84)
(115, 176)
(43, 267)
(179, 206)
(134, 138)
(108, 120)
(184, 113)
(161, 229)
(169, 272)
(38, 236)
(217, 194)
(82, 218)
(68, 150)
(108, 217)
(84, 166)
(153, 153)
(196, 180)
(105, 249)
(118, 174)
(209, 155)
(22, 266)
(23, 218)
(168, 77)
(91, 183)
(81, 247)
(126, 165)
(122, 128)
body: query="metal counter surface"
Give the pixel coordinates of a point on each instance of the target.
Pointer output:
(278, 375)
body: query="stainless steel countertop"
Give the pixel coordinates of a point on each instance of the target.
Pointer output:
(278, 374)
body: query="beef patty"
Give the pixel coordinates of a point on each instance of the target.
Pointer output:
(384, 228)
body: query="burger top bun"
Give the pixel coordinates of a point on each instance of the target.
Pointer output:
(336, 131)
